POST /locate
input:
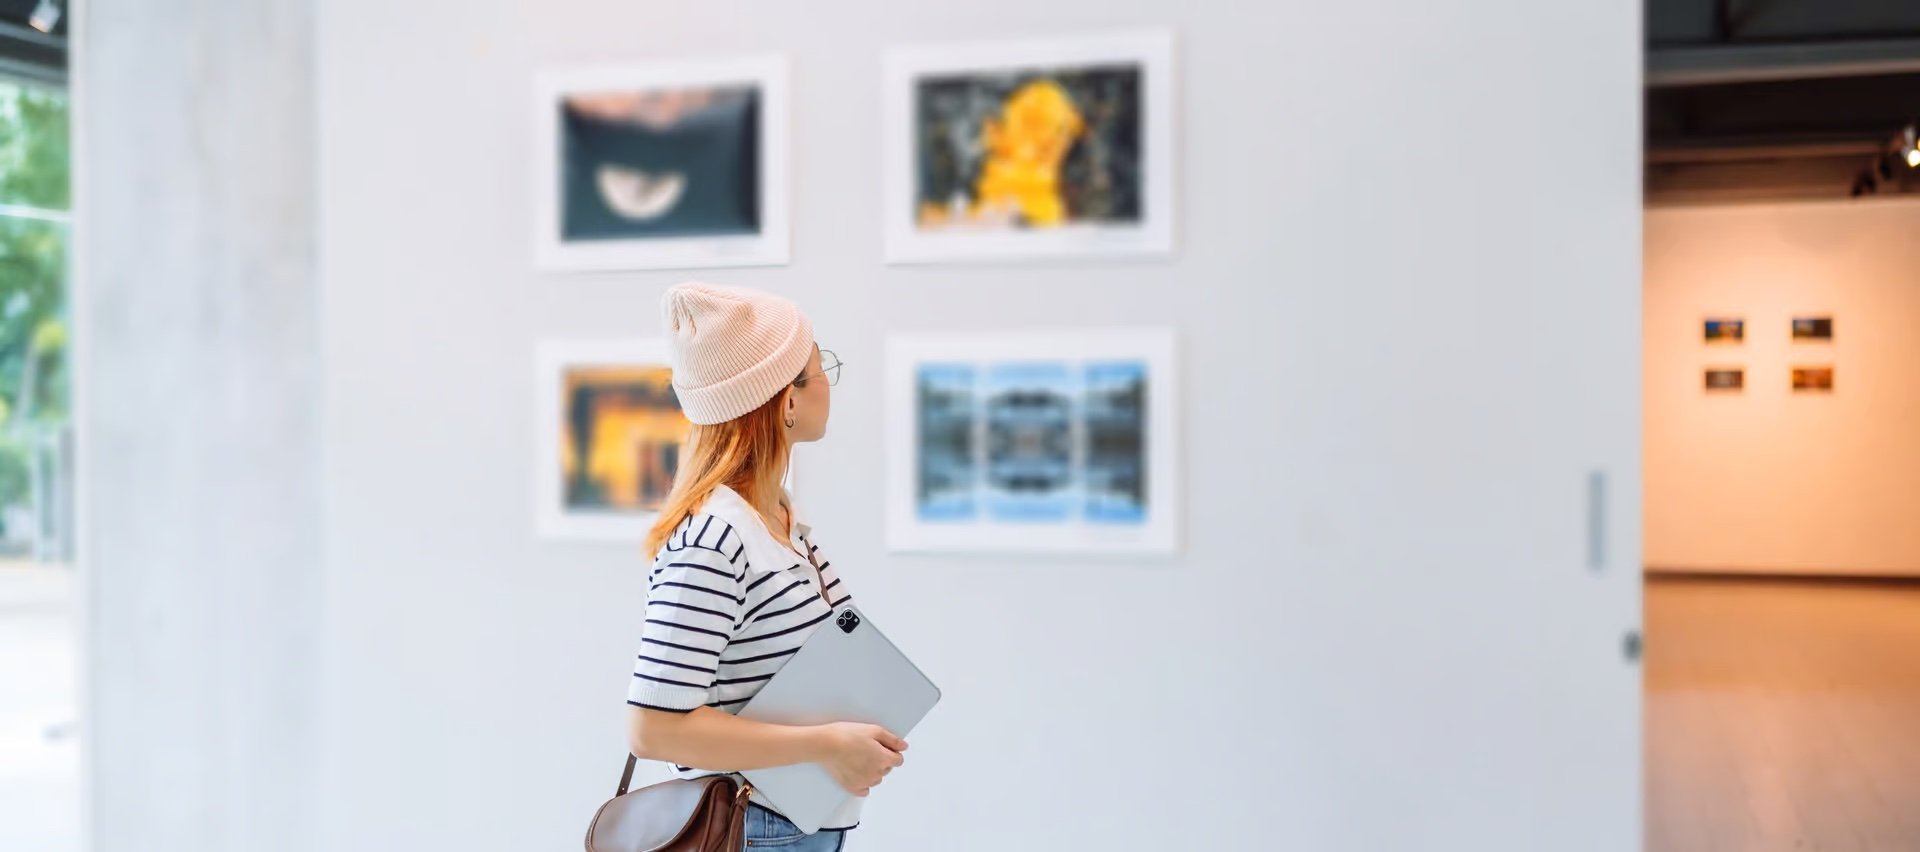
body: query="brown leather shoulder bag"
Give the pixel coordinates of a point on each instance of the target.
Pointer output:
(698, 815)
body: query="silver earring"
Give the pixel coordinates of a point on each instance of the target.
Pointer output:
(790, 421)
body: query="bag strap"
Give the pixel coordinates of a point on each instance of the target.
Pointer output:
(625, 778)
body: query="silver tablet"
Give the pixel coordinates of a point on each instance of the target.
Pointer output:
(846, 672)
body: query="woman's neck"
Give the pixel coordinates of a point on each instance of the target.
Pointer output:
(774, 511)
(769, 499)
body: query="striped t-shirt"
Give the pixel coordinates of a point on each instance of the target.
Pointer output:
(727, 604)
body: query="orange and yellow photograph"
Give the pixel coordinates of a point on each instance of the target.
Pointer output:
(1060, 147)
(608, 439)
(622, 440)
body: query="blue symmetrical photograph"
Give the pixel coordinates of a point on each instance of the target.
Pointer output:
(1116, 424)
(948, 468)
(1032, 442)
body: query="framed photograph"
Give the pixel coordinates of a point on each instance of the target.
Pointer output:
(1813, 379)
(608, 433)
(1725, 379)
(661, 166)
(1056, 443)
(1725, 330)
(1813, 329)
(1019, 150)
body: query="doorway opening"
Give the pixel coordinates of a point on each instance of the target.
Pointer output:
(1781, 431)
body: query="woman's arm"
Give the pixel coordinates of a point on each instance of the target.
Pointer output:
(857, 756)
(695, 597)
(711, 739)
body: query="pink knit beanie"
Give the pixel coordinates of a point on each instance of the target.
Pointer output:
(733, 348)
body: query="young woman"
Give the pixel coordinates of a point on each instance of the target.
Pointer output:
(738, 581)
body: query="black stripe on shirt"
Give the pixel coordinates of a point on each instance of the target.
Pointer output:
(823, 617)
(678, 626)
(766, 615)
(714, 592)
(696, 545)
(662, 662)
(681, 710)
(698, 609)
(745, 660)
(774, 597)
(705, 568)
(707, 651)
(756, 584)
(668, 682)
(733, 680)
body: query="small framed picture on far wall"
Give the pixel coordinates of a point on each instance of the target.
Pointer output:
(1817, 379)
(1725, 379)
(1724, 329)
(1813, 329)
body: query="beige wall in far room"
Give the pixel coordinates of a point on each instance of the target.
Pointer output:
(1766, 479)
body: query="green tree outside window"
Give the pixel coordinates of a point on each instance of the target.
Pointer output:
(34, 204)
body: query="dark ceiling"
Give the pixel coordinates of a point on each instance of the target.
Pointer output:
(1779, 99)
(1745, 99)
(29, 53)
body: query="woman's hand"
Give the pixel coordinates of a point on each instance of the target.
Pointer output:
(858, 756)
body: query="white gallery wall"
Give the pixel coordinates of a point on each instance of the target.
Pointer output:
(1407, 332)
(1766, 479)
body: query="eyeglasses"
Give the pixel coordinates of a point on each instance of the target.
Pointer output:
(829, 366)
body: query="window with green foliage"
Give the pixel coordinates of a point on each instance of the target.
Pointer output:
(40, 792)
(34, 428)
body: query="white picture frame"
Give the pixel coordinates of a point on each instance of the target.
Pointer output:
(915, 524)
(553, 251)
(553, 517)
(906, 243)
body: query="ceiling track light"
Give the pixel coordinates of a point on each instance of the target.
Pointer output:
(45, 16)
(1910, 147)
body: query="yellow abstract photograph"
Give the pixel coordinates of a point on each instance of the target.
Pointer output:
(622, 436)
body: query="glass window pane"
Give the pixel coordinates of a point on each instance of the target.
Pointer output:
(39, 669)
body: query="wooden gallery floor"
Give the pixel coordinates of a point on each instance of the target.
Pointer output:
(1782, 715)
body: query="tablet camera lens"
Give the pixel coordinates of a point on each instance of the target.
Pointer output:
(848, 621)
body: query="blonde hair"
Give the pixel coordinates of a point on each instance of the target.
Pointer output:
(747, 454)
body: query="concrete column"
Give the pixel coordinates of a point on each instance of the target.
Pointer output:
(199, 477)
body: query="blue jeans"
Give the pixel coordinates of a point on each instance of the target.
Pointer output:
(768, 830)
